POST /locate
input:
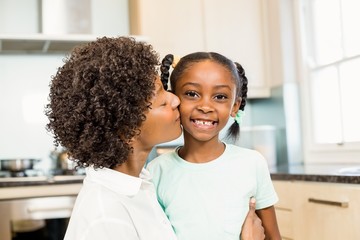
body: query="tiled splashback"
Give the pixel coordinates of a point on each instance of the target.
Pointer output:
(282, 111)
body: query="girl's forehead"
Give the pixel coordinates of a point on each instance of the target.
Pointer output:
(205, 69)
(206, 66)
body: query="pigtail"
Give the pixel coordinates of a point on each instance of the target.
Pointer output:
(244, 85)
(234, 130)
(165, 69)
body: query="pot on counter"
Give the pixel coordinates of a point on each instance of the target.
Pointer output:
(65, 162)
(17, 165)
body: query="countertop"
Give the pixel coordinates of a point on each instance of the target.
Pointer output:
(331, 173)
(41, 180)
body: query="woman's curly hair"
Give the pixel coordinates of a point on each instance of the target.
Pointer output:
(99, 98)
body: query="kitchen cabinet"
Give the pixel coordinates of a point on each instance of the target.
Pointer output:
(174, 27)
(184, 26)
(50, 26)
(314, 210)
(49, 190)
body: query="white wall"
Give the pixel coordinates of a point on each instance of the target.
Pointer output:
(24, 86)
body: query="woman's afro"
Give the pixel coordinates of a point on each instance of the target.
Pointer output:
(99, 97)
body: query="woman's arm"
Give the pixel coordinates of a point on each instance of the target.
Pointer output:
(269, 222)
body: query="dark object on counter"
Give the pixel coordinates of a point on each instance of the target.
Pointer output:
(17, 165)
(62, 161)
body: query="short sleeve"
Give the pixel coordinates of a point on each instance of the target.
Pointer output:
(265, 194)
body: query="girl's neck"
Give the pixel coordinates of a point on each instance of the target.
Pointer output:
(201, 152)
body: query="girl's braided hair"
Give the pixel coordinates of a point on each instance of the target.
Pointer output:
(236, 70)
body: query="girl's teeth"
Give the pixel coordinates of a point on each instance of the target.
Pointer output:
(203, 122)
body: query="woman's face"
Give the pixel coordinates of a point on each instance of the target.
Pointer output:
(208, 98)
(162, 122)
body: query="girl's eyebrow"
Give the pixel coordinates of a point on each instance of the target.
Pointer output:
(191, 84)
(198, 85)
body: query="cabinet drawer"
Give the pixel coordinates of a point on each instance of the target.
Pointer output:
(283, 189)
(285, 222)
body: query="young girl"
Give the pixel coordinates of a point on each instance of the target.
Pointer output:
(204, 186)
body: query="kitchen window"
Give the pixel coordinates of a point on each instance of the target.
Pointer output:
(331, 52)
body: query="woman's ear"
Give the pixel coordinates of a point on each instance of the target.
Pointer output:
(235, 107)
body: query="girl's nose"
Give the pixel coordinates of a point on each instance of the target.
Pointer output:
(205, 106)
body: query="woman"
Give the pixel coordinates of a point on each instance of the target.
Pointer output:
(108, 109)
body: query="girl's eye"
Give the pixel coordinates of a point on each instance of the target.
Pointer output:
(221, 97)
(191, 93)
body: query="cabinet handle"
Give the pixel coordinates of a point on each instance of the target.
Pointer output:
(327, 202)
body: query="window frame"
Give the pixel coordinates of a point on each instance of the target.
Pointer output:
(348, 152)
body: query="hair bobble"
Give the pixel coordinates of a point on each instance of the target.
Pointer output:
(175, 61)
(239, 115)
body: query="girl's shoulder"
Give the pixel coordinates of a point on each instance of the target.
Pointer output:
(163, 160)
(240, 150)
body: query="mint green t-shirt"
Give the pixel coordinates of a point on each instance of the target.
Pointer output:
(211, 200)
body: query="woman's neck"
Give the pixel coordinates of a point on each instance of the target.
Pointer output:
(135, 163)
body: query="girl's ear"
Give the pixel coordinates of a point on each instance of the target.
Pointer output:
(235, 107)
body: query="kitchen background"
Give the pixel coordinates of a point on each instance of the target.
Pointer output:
(301, 58)
(35, 35)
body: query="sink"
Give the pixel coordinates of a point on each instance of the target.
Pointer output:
(350, 171)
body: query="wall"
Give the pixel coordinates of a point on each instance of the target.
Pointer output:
(24, 86)
(282, 110)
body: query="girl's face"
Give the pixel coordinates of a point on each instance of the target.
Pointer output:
(208, 98)
(162, 122)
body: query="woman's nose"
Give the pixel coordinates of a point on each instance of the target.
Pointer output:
(175, 101)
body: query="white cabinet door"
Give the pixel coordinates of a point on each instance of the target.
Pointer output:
(328, 211)
(284, 208)
(174, 27)
(318, 211)
(235, 29)
(19, 17)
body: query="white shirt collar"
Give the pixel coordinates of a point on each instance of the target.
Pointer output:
(118, 181)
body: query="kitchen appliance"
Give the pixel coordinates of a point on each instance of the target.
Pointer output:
(36, 216)
(17, 167)
(41, 218)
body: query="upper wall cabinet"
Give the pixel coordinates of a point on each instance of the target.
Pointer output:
(235, 29)
(47, 26)
(174, 27)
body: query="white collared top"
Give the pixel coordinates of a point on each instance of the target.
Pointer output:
(114, 205)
